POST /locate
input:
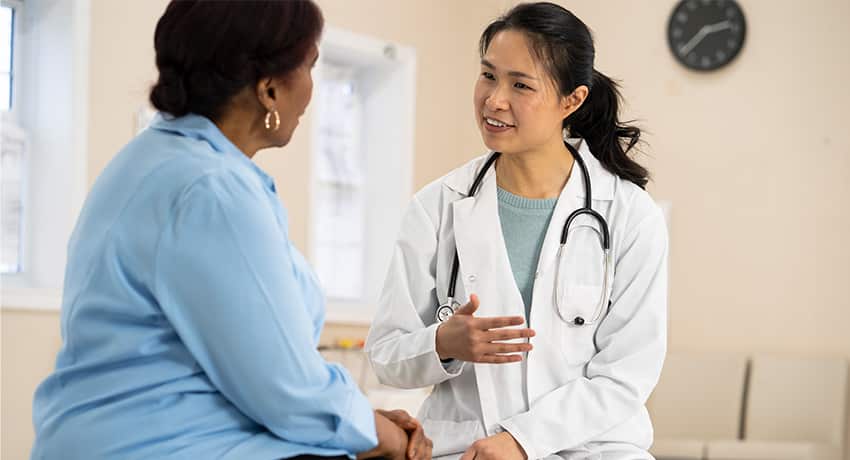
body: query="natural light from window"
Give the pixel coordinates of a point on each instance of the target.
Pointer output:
(11, 155)
(7, 22)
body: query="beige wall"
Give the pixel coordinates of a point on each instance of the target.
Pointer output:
(444, 33)
(756, 161)
(30, 341)
(754, 158)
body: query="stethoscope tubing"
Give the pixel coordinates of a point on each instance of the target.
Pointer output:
(447, 309)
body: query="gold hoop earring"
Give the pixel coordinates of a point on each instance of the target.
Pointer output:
(268, 120)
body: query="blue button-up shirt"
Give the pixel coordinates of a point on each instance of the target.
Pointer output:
(189, 320)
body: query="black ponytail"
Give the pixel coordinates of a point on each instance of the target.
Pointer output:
(565, 46)
(597, 121)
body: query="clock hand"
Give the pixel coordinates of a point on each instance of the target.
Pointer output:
(703, 32)
(694, 41)
(722, 25)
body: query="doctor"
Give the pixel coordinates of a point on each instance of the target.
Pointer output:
(563, 336)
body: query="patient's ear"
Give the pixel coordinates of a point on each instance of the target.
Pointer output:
(267, 92)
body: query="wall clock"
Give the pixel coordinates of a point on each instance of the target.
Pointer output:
(706, 34)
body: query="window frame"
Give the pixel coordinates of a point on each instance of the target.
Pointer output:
(13, 114)
(11, 117)
(56, 177)
(386, 72)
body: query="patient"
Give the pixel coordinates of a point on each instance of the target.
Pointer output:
(189, 319)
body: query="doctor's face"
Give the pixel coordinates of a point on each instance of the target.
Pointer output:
(517, 107)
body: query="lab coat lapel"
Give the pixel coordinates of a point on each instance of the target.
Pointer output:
(485, 270)
(484, 265)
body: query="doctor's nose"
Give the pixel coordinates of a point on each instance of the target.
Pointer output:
(496, 101)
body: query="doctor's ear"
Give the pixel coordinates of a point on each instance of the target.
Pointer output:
(571, 102)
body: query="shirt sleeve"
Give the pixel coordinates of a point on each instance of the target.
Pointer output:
(226, 280)
(632, 342)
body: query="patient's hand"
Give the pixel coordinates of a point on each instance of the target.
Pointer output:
(500, 446)
(392, 441)
(418, 445)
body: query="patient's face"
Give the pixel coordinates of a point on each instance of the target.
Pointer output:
(296, 91)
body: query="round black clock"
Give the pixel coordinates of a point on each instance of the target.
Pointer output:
(706, 34)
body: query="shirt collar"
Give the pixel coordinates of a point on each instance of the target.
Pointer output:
(202, 128)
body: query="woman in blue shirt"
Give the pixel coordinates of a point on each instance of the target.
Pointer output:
(189, 320)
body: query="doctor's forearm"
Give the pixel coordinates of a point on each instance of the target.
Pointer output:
(410, 360)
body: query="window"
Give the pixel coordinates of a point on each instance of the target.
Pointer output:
(12, 154)
(11, 194)
(339, 220)
(362, 166)
(7, 32)
(44, 135)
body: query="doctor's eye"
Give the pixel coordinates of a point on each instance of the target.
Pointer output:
(519, 85)
(488, 75)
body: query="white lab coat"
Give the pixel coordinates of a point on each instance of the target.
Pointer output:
(581, 392)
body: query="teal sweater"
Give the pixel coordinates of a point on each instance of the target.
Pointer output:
(524, 223)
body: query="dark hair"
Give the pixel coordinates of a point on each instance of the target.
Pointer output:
(209, 50)
(565, 46)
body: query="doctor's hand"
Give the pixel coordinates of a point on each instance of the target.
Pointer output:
(500, 446)
(479, 340)
(419, 447)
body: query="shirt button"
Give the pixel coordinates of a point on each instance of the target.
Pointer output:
(471, 278)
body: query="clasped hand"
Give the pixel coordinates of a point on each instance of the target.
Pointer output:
(400, 437)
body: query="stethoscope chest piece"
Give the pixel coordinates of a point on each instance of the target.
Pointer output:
(446, 310)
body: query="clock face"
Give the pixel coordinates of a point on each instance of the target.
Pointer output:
(706, 34)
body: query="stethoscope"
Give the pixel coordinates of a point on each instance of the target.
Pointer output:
(447, 309)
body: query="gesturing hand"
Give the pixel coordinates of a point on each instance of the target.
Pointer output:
(479, 340)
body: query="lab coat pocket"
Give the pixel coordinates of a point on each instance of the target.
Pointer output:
(578, 310)
(452, 437)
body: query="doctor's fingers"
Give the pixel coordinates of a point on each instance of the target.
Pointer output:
(503, 348)
(486, 352)
(508, 334)
(498, 359)
(497, 322)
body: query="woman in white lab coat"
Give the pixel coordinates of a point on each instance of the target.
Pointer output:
(533, 365)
